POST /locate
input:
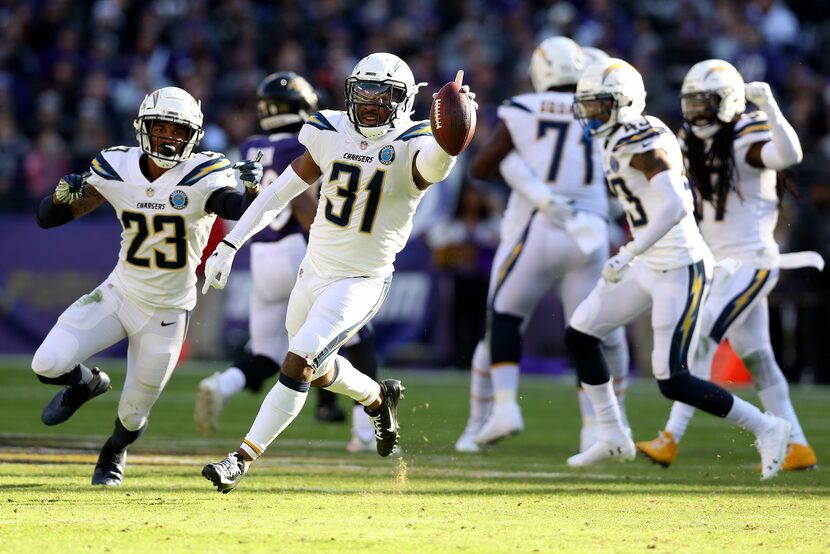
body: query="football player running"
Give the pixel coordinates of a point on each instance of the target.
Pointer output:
(663, 270)
(554, 233)
(166, 197)
(732, 157)
(284, 101)
(376, 164)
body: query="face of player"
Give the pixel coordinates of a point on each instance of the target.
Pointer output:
(168, 138)
(375, 102)
(594, 109)
(699, 109)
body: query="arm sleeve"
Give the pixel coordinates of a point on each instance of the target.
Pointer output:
(268, 204)
(784, 149)
(432, 162)
(516, 173)
(668, 185)
(228, 203)
(50, 214)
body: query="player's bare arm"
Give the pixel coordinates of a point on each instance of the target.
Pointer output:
(651, 163)
(89, 202)
(486, 163)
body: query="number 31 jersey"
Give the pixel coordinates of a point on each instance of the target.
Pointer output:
(368, 194)
(165, 225)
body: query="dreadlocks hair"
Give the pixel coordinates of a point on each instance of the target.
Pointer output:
(718, 161)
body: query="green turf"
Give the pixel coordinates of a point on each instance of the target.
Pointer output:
(307, 495)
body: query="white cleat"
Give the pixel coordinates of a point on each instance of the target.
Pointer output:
(363, 434)
(620, 449)
(466, 442)
(209, 402)
(772, 444)
(588, 435)
(504, 421)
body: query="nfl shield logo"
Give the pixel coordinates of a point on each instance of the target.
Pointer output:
(364, 145)
(150, 192)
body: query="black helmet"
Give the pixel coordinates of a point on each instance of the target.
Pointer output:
(284, 99)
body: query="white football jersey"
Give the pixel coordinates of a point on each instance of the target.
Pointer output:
(368, 194)
(165, 225)
(549, 139)
(683, 244)
(745, 232)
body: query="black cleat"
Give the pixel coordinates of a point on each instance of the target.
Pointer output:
(67, 401)
(385, 419)
(225, 475)
(109, 471)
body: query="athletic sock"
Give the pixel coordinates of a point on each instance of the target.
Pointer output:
(747, 416)
(354, 384)
(620, 388)
(231, 382)
(776, 399)
(278, 410)
(505, 379)
(606, 409)
(679, 418)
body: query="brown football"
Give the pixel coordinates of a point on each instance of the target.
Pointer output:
(452, 118)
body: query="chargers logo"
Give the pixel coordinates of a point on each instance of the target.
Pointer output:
(178, 199)
(387, 154)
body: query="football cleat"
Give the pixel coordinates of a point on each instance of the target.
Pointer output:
(67, 401)
(209, 403)
(799, 456)
(225, 475)
(662, 450)
(772, 445)
(466, 442)
(109, 471)
(620, 449)
(385, 418)
(588, 435)
(504, 421)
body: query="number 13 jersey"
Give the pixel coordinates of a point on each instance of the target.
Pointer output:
(368, 194)
(165, 224)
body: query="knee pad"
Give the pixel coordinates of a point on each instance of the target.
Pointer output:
(591, 366)
(258, 370)
(505, 338)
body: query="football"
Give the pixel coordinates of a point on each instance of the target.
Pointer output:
(452, 117)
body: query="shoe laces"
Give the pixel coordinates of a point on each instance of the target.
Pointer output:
(231, 466)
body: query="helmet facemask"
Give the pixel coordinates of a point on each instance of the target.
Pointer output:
(700, 111)
(597, 113)
(169, 150)
(375, 106)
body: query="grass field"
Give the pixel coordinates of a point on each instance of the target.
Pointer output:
(308, 495)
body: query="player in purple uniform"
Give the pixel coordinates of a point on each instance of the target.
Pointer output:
(285, 100)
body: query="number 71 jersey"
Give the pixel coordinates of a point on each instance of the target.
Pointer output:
(368, 194)
(165, 225)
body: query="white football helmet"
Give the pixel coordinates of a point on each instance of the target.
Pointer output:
(593, 54)
(173, 105)
(712, 94)
(556, 62)
(609, 93)
(383, 80)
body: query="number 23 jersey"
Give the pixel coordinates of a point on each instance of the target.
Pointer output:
(165, 225)
(368, 194)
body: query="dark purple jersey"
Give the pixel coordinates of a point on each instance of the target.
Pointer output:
(278, 150)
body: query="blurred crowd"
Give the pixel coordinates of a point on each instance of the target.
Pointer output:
(72, 75)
